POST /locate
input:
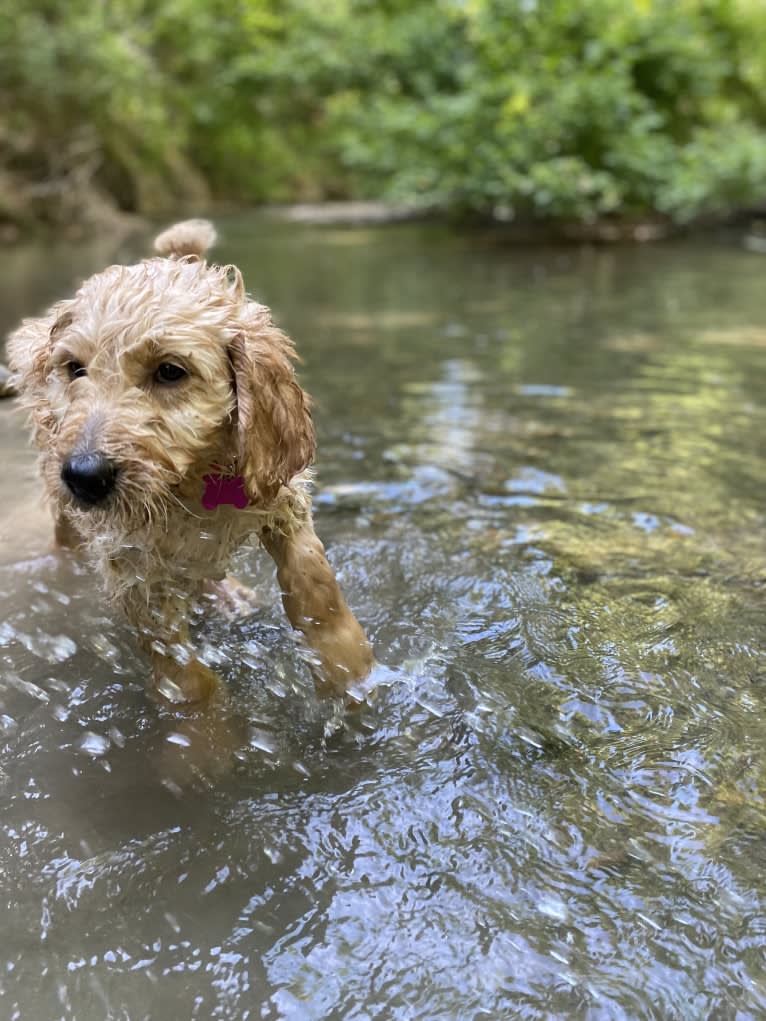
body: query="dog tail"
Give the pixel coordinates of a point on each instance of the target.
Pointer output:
(190, 237)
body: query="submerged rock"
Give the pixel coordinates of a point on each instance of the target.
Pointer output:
(349, 213)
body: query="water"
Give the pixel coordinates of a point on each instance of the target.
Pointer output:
(541, 481)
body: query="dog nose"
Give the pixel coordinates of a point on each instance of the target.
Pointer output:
(89, 476)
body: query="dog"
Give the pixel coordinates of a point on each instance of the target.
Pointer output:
(172, 429)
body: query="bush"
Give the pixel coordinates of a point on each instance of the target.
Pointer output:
(84, 111)
(543, 109)
(564, 110)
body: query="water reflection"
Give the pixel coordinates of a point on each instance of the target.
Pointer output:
(541, 484)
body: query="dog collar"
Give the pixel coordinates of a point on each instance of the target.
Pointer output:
(224, 489)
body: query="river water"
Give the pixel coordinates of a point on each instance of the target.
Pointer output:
(541, 481)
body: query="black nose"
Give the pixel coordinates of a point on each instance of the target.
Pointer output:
(89, 476)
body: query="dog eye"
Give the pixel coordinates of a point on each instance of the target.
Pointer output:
(75, 369)
(169, 373)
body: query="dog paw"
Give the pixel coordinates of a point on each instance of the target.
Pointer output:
(232, 598)
(200, 748)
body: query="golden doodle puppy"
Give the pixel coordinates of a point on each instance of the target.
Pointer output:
(172, 429)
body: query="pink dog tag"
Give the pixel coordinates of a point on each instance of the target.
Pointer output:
(221, 489)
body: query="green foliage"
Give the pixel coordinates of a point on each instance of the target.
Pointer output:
(514, 108)
(569, 110)
(81, 101)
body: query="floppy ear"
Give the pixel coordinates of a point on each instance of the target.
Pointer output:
(274, 429)
(30, 343)
(29, 348)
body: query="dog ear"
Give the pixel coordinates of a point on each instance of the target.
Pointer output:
(275, 434)
(29, 345)
(29, 348)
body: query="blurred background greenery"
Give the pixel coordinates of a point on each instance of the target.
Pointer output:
(578, 111)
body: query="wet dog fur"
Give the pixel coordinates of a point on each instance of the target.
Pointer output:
(152, 377)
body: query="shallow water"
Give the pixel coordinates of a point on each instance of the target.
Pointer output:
(541, 480)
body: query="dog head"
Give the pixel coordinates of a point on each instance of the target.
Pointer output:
(156, 374)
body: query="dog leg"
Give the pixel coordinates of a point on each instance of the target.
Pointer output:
(182, 683)
(315, 606)
(177, 676)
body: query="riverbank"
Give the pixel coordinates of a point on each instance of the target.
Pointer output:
(103, 219)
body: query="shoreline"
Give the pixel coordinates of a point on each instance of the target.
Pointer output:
(369, 213)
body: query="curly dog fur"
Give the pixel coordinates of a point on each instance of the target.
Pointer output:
(152, 378)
